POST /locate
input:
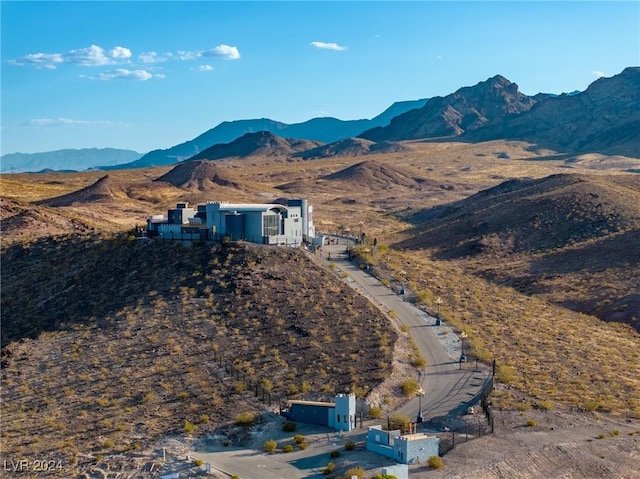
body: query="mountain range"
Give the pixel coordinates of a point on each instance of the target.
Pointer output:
(323, 130)
(604, 118)
(68, 159)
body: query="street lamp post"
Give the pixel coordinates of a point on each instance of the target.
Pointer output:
(420, 393)
(438, 302)
(402, 278)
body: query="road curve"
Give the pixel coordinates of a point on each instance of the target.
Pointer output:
(447, 387)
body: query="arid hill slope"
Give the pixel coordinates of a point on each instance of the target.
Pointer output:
(262, 143)
(351, 147)
(366, 175)
(198, 175)
(106, 189)
(544, 237)
(131, 335)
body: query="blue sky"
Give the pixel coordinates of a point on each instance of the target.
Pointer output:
(147, 75)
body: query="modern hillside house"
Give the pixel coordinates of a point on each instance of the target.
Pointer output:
(287, 223)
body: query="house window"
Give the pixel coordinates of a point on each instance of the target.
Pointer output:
(270, 225)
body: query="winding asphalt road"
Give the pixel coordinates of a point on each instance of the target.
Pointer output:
(448, 388)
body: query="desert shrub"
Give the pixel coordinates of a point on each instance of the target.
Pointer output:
(386, 283)
(398, 421)
(303, 445)
(424, 296)
(590, 404)
(298, 438)
(531, 423)
(198, 462)
(329, 469)
(357, 471)
(334, 454)
(409, 387)
(270, 445)
(189, 427)
(267, 385)
(350, 446)
(226, 443)
(375, 412)
(289, 426)
(435, 462)
(523, 406)
(505, 374)
(615, 432)
(545, 405)
(419, 361)
(245, 419)
(384, 476)
(288, 448)
(359, 391)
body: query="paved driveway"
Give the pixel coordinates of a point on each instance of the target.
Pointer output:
(447, 387)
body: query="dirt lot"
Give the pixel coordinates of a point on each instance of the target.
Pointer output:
(561, 444)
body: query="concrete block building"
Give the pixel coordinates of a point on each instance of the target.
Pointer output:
(286, 223)
(404, 448)
(340, 414)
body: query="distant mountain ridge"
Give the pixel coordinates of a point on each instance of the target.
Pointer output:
(262, 143)
(605, 118)
(68, 159)
(469, 108)
(325, 130)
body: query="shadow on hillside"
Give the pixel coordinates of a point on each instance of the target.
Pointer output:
(611, 147)
(615, 251)
(59, 284)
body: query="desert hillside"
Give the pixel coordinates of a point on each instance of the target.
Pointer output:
(129, 340)
(540, 236)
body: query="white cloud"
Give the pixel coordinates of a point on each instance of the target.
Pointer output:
(598, 73)
(203, 68)
(40, 60)
(187, 55)
(61, 121)
(96, 56)
(124, 74)
(120, 52)
(90, 56)
(151, 57)
(223, 51)
(328, 46)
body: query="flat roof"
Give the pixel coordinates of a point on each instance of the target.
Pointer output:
(416, 436)
(313, 403)
(249, 206)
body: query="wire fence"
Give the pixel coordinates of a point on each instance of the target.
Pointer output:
(483, 424)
